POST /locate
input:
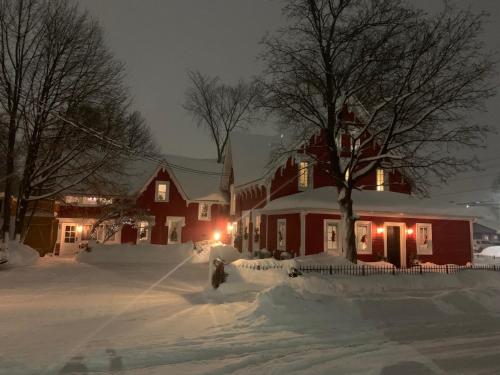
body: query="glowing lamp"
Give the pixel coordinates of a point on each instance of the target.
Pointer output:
(230, 227)
(380, 230)
(217, 236)
(79, 228)
(409, 231)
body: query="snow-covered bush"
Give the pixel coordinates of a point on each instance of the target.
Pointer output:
(285, 255)
(262, 254)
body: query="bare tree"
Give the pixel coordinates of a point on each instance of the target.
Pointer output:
(412, 78)
(220, 108)
(72, 121)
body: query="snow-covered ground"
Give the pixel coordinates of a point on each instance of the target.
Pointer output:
(157, 315)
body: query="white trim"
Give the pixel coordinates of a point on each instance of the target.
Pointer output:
(282, 248)
(325, 239)
(303, 217)
(167, 192)
(370, 236)
(402, 240)
(232, 200)
(168, 223)
(430, 250)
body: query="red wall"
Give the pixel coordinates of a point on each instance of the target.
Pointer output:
(451, 238)
(292, 232)
(194, 230)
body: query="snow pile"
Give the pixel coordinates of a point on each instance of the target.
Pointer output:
(21, 255)
(136, 254)
(492, 251)
(202, 251)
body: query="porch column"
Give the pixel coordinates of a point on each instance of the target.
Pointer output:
(303, 233)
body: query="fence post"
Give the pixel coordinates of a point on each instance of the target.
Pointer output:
(447, 269)
(420, 269)
(393, 270)
(363, 270)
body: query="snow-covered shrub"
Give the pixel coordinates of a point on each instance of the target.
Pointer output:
(263, 254)
(285, 255)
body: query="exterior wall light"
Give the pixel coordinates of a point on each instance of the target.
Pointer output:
(380, 230)
(409, 231)
(217, 236)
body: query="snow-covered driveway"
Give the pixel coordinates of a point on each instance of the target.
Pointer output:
(61, 315)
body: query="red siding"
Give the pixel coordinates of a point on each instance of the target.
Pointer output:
(292, 232)
(194, 229)
(451, 238)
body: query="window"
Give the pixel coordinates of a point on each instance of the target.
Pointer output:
(143, 231)
(162, 190)
(281, 235)
(424, 239)
(256, 229)
(380, 179)
(70, 234)
(174, 234)
(363, 237)
(204, 211)
(303, 175)
(232, 207)
(331, 235)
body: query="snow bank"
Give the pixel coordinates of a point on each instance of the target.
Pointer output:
(492, 251)
(136, 254)
(21, 255)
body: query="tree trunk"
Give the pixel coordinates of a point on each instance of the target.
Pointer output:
(348, 222)
(9, 177)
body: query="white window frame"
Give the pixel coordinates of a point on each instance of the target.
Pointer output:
(71, 233)
(420, 249)
(167, 192)
(209, 212)
(327, 222)
(368, 249)
(256, 225)
(148, 227)
(282, 247)
(232, 207)
(307, 175)
(380, 179)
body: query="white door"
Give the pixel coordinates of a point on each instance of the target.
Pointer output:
(69, 239)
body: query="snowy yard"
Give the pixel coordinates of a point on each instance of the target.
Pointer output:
(61, 314)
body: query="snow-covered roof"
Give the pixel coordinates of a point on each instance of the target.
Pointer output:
(200, 179)
(197, 179)
(376, 202)
(251, 154)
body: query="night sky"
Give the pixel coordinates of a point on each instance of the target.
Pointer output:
(160, 40)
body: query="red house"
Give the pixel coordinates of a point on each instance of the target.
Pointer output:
(180, 200)
(290, 204)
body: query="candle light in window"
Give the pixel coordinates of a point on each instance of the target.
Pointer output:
(409, 231)
(380, 230)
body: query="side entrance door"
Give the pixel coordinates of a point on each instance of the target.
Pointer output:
(395, 243)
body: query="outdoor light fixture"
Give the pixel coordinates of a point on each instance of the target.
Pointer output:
(409, 231)
(380, 230)
(229, 227)
(79, 228)
(217, 236)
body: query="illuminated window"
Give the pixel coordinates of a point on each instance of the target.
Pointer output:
(281, 235)
(70, 234)
(424, 239)
(380, 179)
(203, 211)
(143, 231)
(363, 237)
(303, 175)
(162, 189)
(331, 235)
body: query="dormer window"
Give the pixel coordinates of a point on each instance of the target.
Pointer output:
(380, 179)
(162, 191)
(304, 175)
